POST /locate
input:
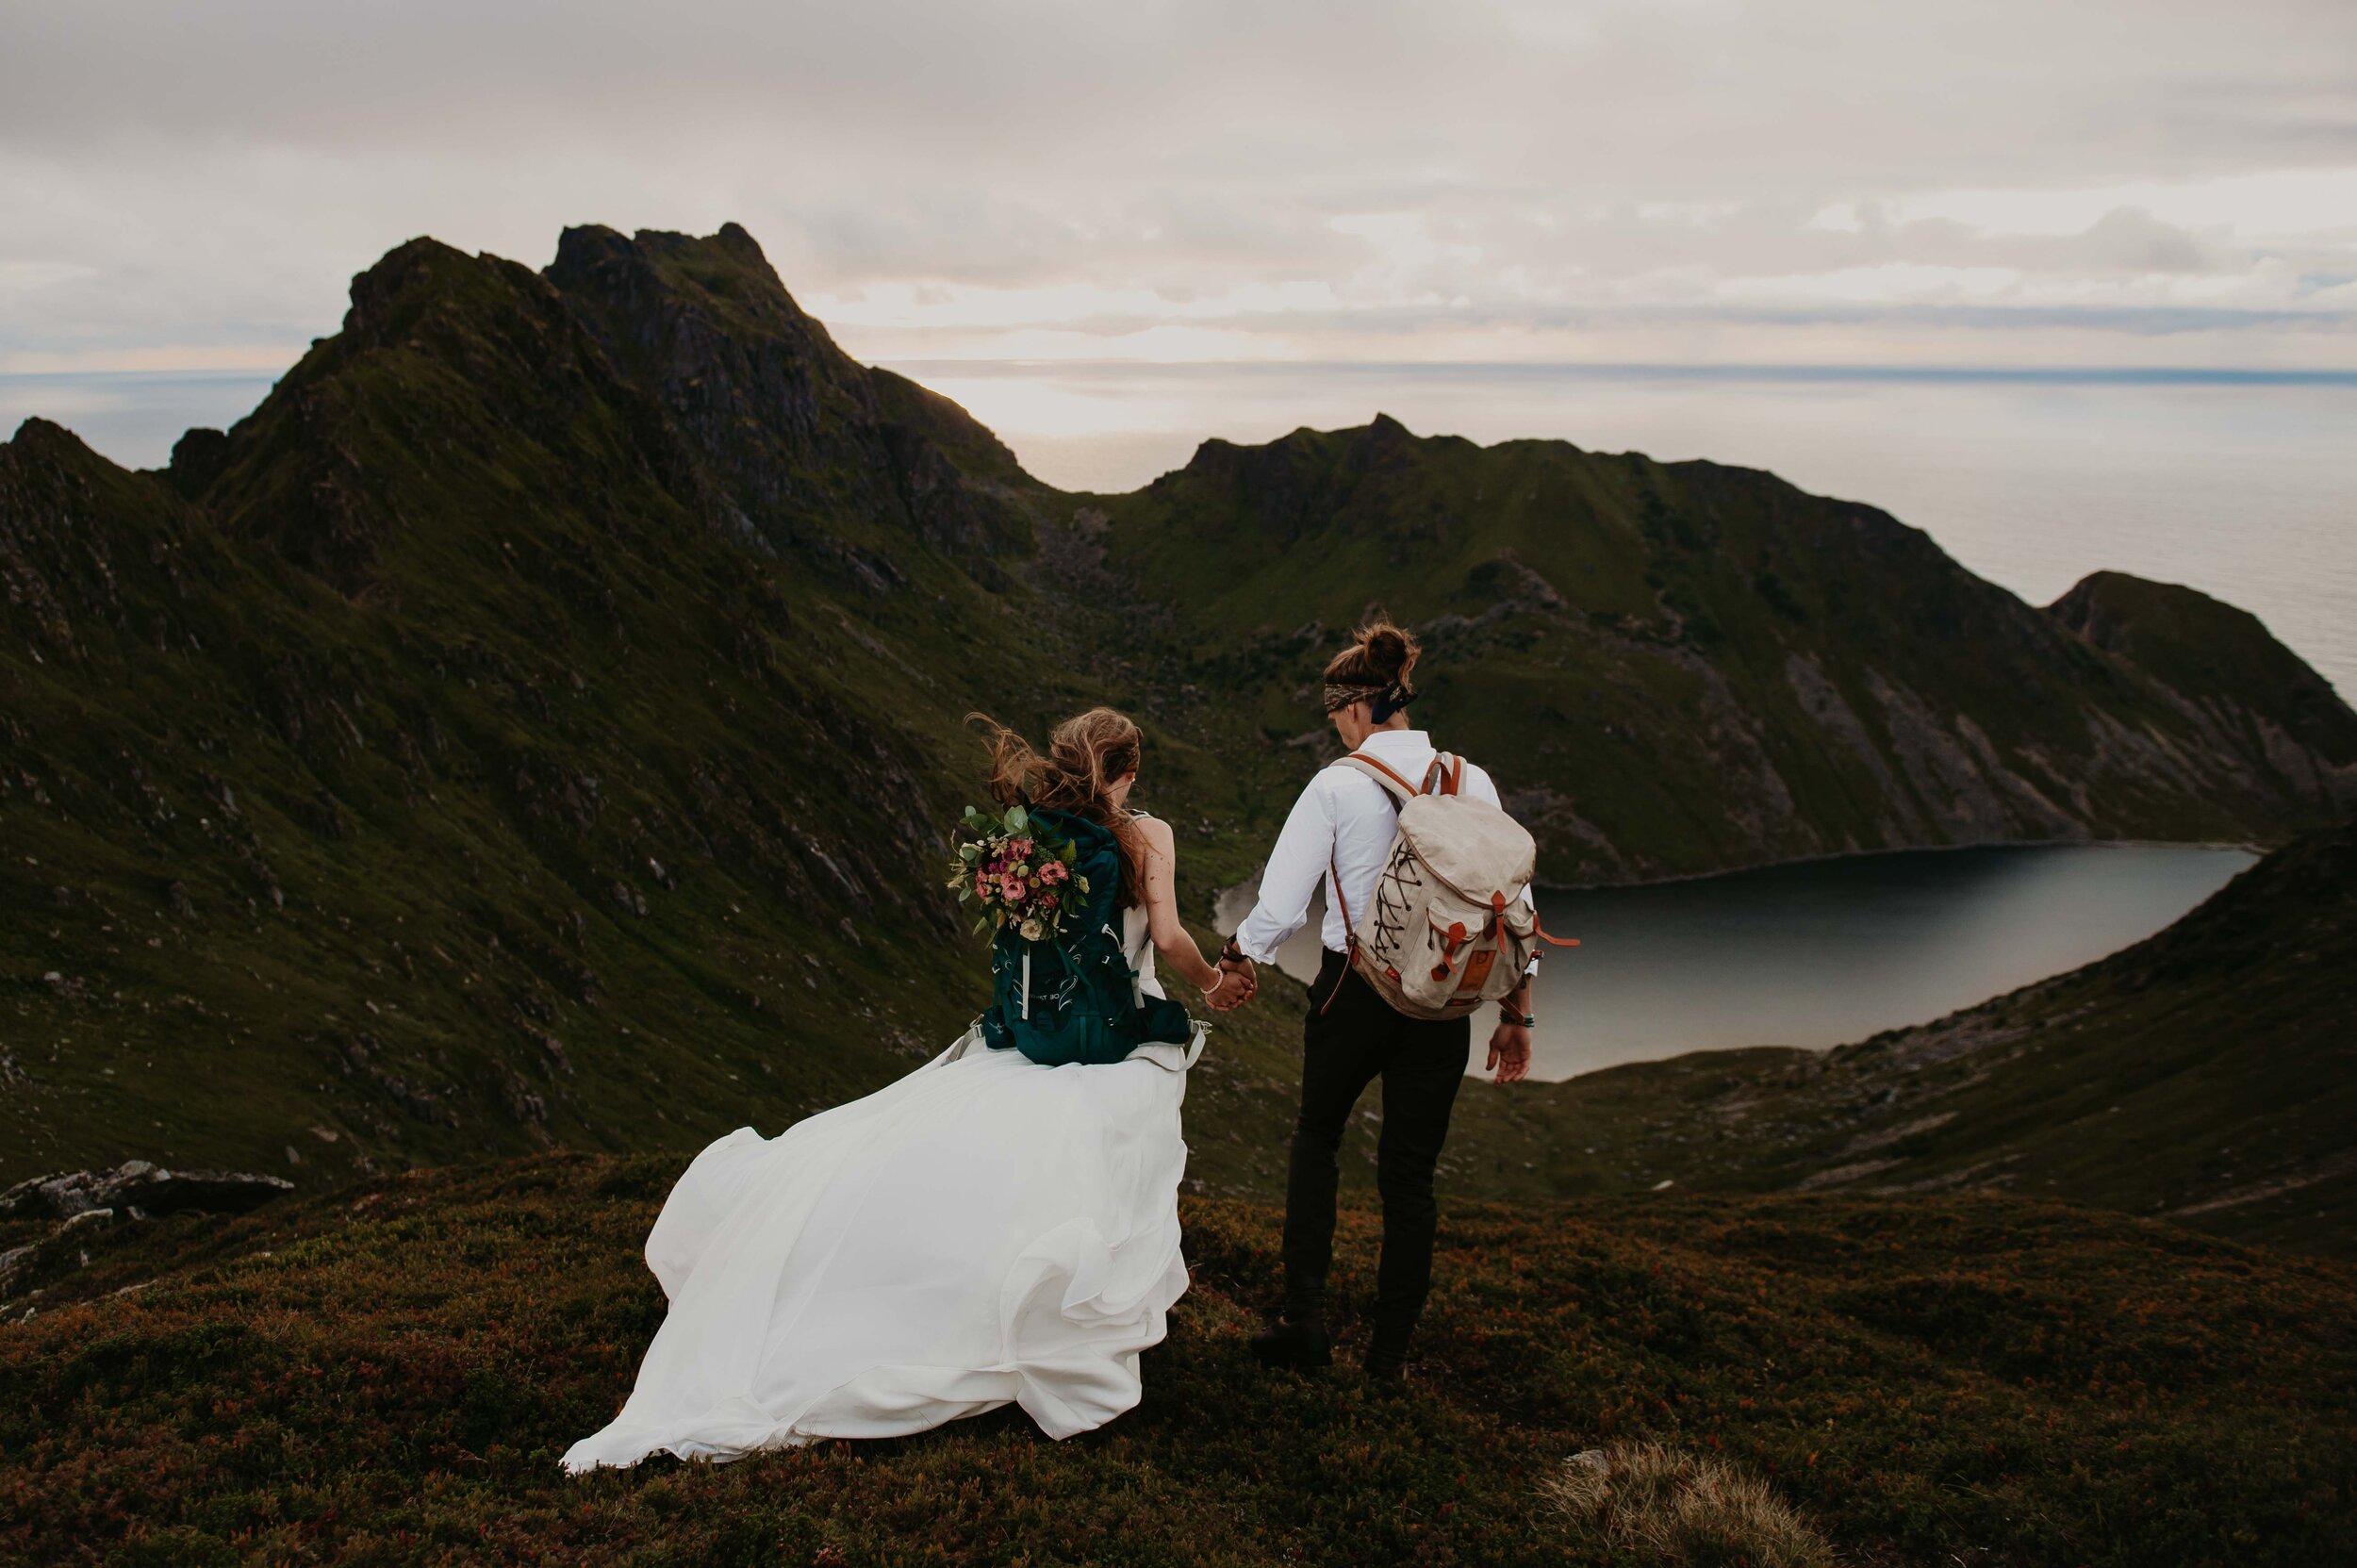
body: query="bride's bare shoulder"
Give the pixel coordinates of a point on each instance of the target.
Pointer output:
(1155, 831)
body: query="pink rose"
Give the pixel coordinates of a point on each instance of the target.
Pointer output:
(1011, 888)
(1020, 849)
(1047, 900)
(981, 886)
(1054, 871)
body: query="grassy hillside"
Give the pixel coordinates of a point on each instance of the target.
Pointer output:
(1687, 667)
(533, 726)
(2207, 1075)
(389, 1375)
(466, 753)
(2231, 671)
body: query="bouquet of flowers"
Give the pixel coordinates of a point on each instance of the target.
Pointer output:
(1019, 875)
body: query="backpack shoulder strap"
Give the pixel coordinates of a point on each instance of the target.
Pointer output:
(1394, 785)
(1446, 775)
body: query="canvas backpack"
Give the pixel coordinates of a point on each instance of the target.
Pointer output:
(1447, 929)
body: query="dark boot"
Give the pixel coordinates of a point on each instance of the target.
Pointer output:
(1387, 1353)
(1304, 1347)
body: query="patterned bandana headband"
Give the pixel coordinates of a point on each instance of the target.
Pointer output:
(1382, 701)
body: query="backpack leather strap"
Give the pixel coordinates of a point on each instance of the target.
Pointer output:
(1383, 773)
(1350, 931)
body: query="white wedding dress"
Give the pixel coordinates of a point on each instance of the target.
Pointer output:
(984, 1230)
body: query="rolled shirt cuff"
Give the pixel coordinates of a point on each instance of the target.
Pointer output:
(1253, 951)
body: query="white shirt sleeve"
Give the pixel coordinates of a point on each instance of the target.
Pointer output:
(1305, 847)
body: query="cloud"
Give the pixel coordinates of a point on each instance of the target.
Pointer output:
(1293, 178)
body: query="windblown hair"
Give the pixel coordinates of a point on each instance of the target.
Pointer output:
(1086, 755)
(1376, 667)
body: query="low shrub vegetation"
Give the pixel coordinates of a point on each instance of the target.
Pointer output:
(388, 1374)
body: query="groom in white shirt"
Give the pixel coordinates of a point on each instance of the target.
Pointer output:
(1343, 826)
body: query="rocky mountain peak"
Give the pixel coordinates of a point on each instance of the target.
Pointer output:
(799, 434)
(2199, 646)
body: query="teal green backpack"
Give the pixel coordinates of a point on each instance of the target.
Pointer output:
(1080, 1003)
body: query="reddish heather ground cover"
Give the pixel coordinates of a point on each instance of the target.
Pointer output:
(387, 1375)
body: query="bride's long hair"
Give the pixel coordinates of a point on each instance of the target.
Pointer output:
(1086, 755)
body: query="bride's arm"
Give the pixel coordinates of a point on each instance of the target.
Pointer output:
(1171, 942)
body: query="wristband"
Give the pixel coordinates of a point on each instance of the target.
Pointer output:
(1232, 953)
(1521, 1021)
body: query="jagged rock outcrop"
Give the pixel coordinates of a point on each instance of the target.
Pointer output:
(808, 443)
(137, 1185)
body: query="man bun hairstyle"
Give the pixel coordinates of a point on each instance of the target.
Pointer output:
(1378, 668)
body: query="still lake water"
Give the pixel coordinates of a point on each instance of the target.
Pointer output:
(1824, 952)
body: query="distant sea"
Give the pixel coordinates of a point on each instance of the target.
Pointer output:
(2243, 485)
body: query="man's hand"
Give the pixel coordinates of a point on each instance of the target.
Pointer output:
(1509, 1052)
(1239, 983)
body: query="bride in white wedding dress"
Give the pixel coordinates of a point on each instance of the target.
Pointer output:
(988, 1229)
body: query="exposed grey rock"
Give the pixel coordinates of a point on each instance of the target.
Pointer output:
(154, 1189)
(1825, 704)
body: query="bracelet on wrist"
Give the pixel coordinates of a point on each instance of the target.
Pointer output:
(1232, 953)
(1519, 1020)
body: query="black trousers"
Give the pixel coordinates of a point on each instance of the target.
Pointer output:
(1421, 1063)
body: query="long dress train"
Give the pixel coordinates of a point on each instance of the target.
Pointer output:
(985, 1230)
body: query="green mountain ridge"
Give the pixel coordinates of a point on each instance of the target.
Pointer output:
(1683, 668)
(534, 724)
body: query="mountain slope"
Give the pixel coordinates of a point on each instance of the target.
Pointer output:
(2227, 672)
(390, 1373)
(435, 764)
(1687, 667)
(534, 724)
(2207, 1074)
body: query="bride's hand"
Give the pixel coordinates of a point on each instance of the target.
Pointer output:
(1233, 989)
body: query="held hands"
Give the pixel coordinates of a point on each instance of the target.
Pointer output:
(1235, 986)
(1509, 1052)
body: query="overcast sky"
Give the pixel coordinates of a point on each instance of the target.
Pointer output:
(1999, 182)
